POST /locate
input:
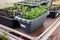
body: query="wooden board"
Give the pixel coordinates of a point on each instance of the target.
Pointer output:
(57, 2)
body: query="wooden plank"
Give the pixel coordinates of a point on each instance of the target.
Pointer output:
(47, 34)
(10, 36)
(56, 2)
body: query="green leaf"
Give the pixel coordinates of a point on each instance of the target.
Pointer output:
(33, 12)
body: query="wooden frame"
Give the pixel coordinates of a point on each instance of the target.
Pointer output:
(27, 36)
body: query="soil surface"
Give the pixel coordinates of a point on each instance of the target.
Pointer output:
(6, 13)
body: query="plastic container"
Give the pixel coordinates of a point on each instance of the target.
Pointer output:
(34, 3)
(53, 14)
(9, 22)
(29, 26)
(54, 11)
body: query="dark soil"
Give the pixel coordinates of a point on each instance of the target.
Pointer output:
(6, 13)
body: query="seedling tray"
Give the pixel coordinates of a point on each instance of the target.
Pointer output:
(34, 4)
(54, 12)
(7, 20)
(29, 26)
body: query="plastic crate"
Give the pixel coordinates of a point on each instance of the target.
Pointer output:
(29, 26)
(9, 22)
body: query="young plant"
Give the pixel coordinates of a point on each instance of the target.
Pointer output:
(18, 6)
(34, 12)
(3, 37)
(25, 8)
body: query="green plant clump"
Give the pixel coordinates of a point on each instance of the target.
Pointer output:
(34, 12)
(3, 37)
(27, 12)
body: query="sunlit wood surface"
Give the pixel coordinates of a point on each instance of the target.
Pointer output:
(57, 2)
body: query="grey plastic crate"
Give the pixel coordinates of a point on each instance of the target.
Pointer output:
(29, 26)
(34, 4)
